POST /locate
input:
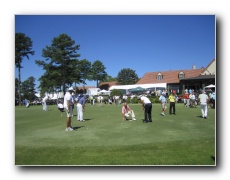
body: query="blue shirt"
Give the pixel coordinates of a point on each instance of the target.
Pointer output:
(213, 96)
(162, 99)
(82, 100)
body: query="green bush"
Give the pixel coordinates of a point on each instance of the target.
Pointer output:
(116, 92)
(154, 99)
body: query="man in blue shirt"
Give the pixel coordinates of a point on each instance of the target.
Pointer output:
(81, 108)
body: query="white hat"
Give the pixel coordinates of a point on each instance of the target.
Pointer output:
(70, 89)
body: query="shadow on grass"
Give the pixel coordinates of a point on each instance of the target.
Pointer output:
(77, 127)
(88, 119)
(199, 116)
(213, 158)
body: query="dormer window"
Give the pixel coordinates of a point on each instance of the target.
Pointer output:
(181, 75)
(159, 76)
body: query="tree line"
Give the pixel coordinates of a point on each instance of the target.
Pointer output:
(62, 67)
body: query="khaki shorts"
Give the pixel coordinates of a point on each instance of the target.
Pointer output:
(70, 113)
(163, 105)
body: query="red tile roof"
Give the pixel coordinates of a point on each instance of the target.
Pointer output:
(168, 76)
(85, 87)
(107, 85)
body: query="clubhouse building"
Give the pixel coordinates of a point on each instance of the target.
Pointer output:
(178, 80)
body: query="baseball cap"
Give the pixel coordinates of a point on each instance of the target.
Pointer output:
(70, 89)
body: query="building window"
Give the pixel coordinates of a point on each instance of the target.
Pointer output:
(181, 75)
(159, 76)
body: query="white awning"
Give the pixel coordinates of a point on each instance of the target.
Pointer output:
(210, 86)
(145, 86)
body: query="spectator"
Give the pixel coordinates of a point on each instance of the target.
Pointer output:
(44, 105)
(213, 97)
(186, 100)
(192, 99)
(27, 103)
(172, 101)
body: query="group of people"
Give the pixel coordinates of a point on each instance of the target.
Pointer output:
(70, 100)
(203, 99)
(146, 106)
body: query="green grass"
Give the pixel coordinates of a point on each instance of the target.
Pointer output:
(103, 139)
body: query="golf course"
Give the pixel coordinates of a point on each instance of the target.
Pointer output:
(103, 139)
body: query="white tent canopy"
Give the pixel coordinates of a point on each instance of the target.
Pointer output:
(145, 86)
(210, 86)
(103, 91)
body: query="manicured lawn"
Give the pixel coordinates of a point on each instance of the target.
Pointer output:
(103, 139)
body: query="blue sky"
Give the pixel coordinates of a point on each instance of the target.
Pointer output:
(144, 43)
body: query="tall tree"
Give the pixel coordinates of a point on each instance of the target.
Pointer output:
(16, 88)
(109, 79)
(61, 59)
(127, 76)
(28, 88)
(23, 48)
(84, 69)
(98, 71)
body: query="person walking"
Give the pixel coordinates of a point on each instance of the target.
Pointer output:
(203, 100)
(147, 106)
(81, 108)
(68, 102)
(172, 101)
(163, 103)
(126, 112)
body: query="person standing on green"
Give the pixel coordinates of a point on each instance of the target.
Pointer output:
(172, 101)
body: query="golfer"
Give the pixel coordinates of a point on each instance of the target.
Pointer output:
(68, 107)
(81, 108)
(163, 103)
(126, 112)
(147, 106)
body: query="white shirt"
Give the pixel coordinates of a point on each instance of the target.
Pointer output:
(67, 97)
(45, 99)
(192, 96)
(145, 99)
(203, 98)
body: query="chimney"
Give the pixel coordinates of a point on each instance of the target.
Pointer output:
(193, 66)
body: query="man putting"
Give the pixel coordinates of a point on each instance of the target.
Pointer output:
(126, 112)
(147, 106)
